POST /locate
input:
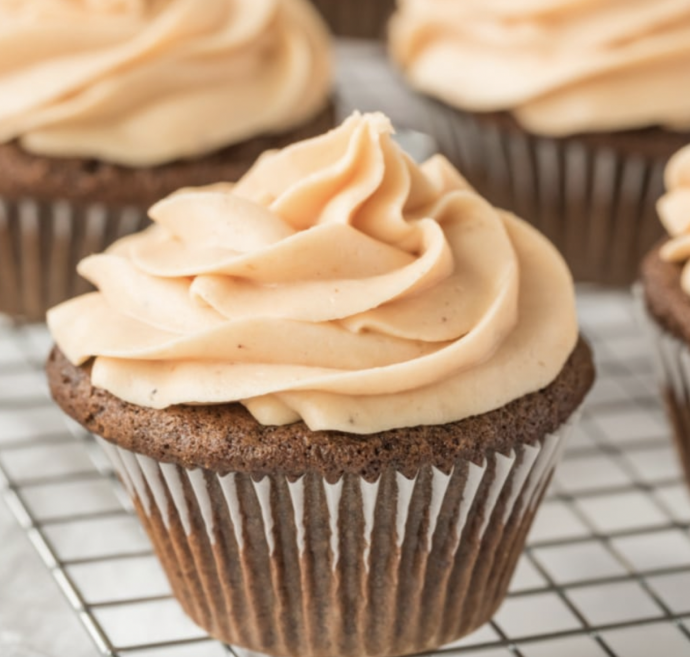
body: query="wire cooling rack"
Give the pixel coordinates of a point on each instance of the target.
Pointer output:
(606, 571)
(607, 567)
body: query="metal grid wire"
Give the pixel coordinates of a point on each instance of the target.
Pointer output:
(606, 570)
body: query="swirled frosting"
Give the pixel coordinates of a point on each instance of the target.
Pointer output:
(674, 210)
(338, 282)
(144, 82)
(561, 66)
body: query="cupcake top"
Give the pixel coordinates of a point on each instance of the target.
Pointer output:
(674, 210)
(561, 66)
(339, 283)
(145, 82)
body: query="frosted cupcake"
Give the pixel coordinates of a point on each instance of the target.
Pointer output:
(336, 392)
(666, 295)
(564, 111)
(107, 106)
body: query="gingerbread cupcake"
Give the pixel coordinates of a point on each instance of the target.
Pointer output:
(336, 392)
(106, 107)
(564, 112)
(665, 293)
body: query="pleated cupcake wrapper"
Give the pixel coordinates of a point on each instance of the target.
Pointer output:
(41, 244)
(673, 370)
(313, 568)
(366, 19)
(596, 205)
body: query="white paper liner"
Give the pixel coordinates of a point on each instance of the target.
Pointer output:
(672, 357)
(316, 568)
(41, 244)
(596, 205)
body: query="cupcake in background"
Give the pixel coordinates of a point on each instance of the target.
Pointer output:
(564, 112)
(336, 392)
(665, 291)
(107, 106)
(364, 19)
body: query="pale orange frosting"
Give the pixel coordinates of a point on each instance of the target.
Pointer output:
(337, 282)
(144, 82)
(674, 210)
(561, 66)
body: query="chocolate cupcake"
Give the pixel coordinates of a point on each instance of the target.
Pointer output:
(566, 115)
(364, 19)
(123, 103)
(336, 392)
(665, 296)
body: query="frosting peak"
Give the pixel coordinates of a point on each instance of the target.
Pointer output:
(144, 82)
(674, 210)
(338, 282)
(561, 66)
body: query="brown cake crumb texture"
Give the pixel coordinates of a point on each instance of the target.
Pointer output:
(651, 142)
(665, 299)
(83, 181)
(226, 438)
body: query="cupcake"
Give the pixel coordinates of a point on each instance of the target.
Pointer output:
(665, 293)
(108, 106)
(564, 112)
(357, 18)
(336, 392)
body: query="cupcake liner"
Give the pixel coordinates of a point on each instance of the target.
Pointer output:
(673, 370)
(596, 204)
(365, 19)
(41, 243)
(317, 568)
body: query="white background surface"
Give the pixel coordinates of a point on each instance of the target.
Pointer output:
(35, 619)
